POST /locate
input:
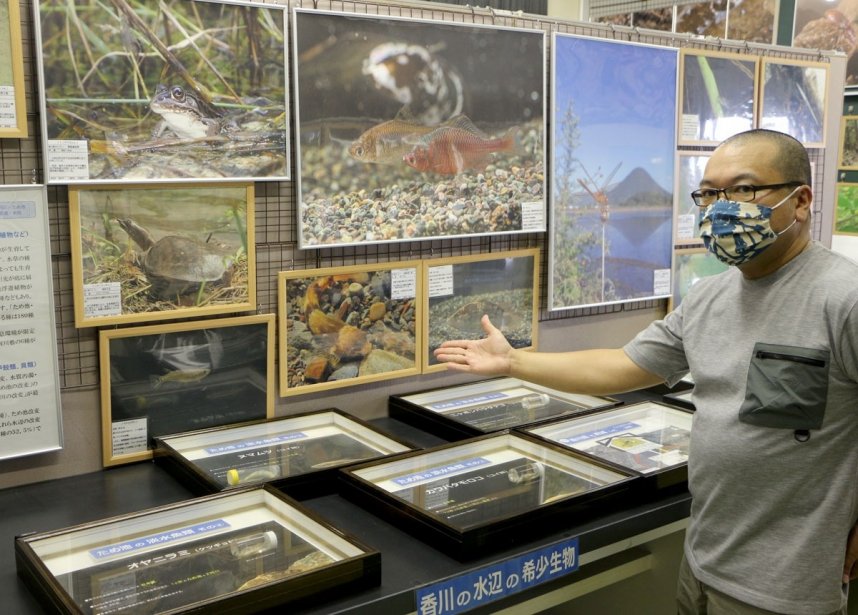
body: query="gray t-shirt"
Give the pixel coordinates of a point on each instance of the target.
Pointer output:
(773, 467)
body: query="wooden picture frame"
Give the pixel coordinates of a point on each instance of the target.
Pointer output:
(689, 265)
(460, 289)
(794, 98)
(171, 378)
(13, 99)
(156, 251)
(687, 215)
(190, 90)
(846, 209)
(343, 326)
(847, 159)
(427, 129)
(717, 95)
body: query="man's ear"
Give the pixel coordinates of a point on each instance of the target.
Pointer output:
(804, 202)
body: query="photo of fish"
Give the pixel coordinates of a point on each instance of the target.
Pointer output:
(348, 325)
(165, 379)
(157, 251)
(502, 285)
(612, 160)
(793, 99)
(182, 90)
(411, 130)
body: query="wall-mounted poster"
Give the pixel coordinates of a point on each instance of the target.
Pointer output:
(848, 159)
(689, 172)
(157, 251)
(416, 129)
(614, 135)
(13, 111)
(828, 24)
(718, 95)
(166, 379)
(690, 266)
(30, 404)
(342, 326)
(846, 210)
(133, 90)
(752, 21)
(460, 289)
(703, 18)
(794, 95)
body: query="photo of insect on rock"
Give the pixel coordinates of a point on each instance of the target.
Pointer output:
(416, 129)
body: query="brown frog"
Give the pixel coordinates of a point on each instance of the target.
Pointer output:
(184, 113)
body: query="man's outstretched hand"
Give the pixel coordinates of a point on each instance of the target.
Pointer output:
(488, 356)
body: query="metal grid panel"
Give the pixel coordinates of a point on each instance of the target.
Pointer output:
(276, 228)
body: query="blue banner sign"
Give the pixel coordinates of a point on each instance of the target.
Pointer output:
(152, 540)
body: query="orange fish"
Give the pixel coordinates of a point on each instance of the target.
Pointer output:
(450, 150)
(387, 142)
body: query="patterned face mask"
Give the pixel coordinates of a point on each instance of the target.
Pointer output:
(737, 232)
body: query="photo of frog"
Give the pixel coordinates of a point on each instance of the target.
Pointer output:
(156, 251)
(412, 129)
(181, 90)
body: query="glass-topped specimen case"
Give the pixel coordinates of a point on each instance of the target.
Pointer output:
(237, 552)
(487, 406)
(485, 493)
(682, 399)
(299, 454)
(649, 438)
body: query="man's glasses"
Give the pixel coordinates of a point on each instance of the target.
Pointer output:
(742, 193)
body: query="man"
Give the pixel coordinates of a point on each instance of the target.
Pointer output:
(772, 346)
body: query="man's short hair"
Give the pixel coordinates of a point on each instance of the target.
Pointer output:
(792, 159)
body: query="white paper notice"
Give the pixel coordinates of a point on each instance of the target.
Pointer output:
(661, 282)
(68, 160)
(686, 226)
(129, 436)
(440, 281)
(8, 117)
(29, 394)
(403, 283)
(690, 126)
(102, 299)
(533, 216)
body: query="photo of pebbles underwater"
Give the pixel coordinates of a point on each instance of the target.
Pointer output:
(414, 130)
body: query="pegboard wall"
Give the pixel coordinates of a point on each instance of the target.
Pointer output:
(277, 250)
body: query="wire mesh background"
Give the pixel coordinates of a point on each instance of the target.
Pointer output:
(277, 250)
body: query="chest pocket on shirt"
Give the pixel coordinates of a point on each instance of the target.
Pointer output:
(787, 387)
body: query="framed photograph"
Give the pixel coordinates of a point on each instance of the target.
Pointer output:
(690, 266)
(753, 21)
(341, 326)
(794, 96)
(848, 160)
(818, 24)
(13, 103)
(612, 162)
(299, 454)
(243, 551)
(459, 290)
(182, 90)
(650, 438)
(702, 18)
(485, 493)
(166, 379)
(487, 406)
(846, 210)
(717, 93)
(410, 129)
(690, 167)
(153, 251)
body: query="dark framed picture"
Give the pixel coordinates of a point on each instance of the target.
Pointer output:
(182, 90)
(818, 24)
(460, 289)
(794, 96)
(412, 129)
(166, 379)
(717, 93)
(245, 551)
(690, 266)
(156, 251)
(848, 159)
(690, 167)
(342, 326)
(13, 109)
(612, 162)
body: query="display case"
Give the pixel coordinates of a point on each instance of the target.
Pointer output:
(682, 399)
(299, 454)
(488, 406)
(485, 493)
(648, 438)
(237, 552)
